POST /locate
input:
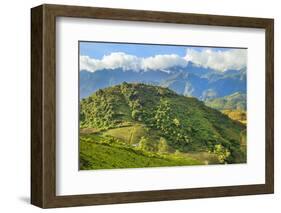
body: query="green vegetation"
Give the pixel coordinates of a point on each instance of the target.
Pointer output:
(235, 101)
(234, 106)
(98, 152)
(221, 152)
(138, 125)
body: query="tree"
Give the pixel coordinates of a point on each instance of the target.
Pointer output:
(221, 152)
(171, 127)
(82, 116)
(136, 114)
(145, 144)
(163, 146)
(176, 122)
(135, 104)
(162, 115)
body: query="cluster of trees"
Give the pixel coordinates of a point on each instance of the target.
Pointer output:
(133, 101)
(98, 113)
(150, 146)
(221, 152)
(171, 126)
(159, 117)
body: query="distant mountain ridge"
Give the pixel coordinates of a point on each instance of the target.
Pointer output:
(235, 101)
(199, 82)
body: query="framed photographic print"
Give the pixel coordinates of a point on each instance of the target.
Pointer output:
(136, 106)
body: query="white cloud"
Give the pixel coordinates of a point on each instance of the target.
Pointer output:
(163, 62)
(112, 61)
(218, 60)
(131, 62)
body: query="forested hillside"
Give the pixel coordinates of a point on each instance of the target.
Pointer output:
(138, 125)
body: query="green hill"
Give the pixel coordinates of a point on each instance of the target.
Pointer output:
(138, 125)
(235, 101)
(234, 106)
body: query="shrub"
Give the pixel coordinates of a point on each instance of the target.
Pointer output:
(163, 146)
(221, 152)
(145, 144)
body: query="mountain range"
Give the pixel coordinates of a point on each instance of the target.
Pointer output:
(191, 80)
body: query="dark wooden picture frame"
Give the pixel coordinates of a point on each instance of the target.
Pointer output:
(43, 105)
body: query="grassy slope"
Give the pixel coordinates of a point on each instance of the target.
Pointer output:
(128, 134)
(96, 152)
(237, 115)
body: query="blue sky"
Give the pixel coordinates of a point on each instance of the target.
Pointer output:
(98, 49)
(101, 55)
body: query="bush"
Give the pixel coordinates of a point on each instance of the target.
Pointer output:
(145, 144)
(221, 152)
(136, 114)
(163, 146)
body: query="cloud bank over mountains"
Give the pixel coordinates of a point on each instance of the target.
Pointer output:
(207, 58)
(218, 60)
